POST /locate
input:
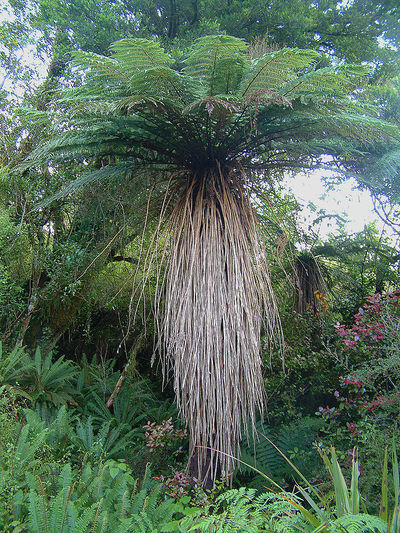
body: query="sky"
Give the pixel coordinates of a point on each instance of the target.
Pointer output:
(355, 207)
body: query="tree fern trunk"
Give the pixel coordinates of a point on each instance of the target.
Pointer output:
(216, 289)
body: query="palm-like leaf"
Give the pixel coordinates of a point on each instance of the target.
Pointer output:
(135, 55)
(217, 63)
(276, 69)
(203, 138)
(48, 380)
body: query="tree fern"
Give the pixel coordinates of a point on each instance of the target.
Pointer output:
(201, 139)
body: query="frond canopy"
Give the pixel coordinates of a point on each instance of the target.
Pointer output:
(221, 107)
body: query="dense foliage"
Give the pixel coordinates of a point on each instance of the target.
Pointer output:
(140, 185)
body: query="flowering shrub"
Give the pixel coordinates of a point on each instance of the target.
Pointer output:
(367, 399)
(159, 435)
(176, 486)
(373, 324)
(358, 409)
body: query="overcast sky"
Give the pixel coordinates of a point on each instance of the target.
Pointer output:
(345, 200)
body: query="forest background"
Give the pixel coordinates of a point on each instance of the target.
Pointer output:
(75, 436)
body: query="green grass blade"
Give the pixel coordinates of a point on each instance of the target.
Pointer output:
(319, 511)
(383, 511)
(340, 487)
(354, 488)
(395, 524)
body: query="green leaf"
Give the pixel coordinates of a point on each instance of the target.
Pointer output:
(275, 69)
(136, 55)
(217, 62)
(383, 511)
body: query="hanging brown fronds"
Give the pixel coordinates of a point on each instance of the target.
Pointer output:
(309, 283)
(215, 293)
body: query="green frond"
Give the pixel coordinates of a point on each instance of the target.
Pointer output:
(217, 62)
(129, 104)
(11, 365)
(102, 68)
(275, 69)
(57, 512)
(328, 82)
(135, 55)
(121, 171)
(238, 510)
(83, 521)
(262, 455)
(382, 175)
(65, 478)
(131, 57)
(30, 440)
(35, 116)
(360, 523)
(163, 83)
(37, 512)
(365, 129)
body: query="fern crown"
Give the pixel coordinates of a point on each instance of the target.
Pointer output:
(274, 112)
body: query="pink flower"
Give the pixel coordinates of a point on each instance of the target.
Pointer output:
(353, 381)
(349, 343)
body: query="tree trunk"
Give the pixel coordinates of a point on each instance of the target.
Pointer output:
(205, 469)
(172, 20)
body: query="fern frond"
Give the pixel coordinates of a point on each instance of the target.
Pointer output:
(164, 83)
(120, 171)
(360, 523)
(65, 478)
(217, 62)
(37, 511)
(275, 69)
(11, 365)
(102, 68)
(328, 82)
(139, 54)
(83, 522)
(58, 512)
(30, 440)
